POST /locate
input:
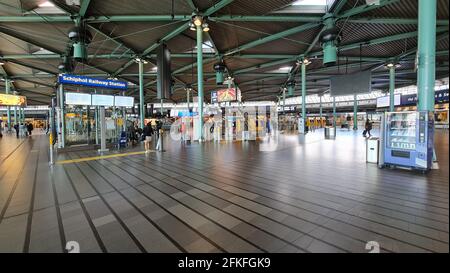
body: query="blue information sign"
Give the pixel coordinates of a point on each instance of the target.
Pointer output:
(440, 96)
(93, 82)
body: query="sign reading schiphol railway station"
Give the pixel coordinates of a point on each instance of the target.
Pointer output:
(92, 82)
(12, 100)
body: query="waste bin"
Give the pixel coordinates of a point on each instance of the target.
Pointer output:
(330, 132)
(372, 149)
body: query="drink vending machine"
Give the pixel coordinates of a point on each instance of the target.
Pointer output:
(408, 139)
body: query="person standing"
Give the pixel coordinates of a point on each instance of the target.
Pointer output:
(16, 127)
(148, 132)
(367, 128)
(29, 128)
(245, 132)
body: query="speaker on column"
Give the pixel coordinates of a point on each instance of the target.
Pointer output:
(164, 75)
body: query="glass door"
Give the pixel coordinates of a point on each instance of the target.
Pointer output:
(80, 125)
(401, 130)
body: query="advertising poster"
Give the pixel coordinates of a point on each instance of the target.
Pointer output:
(228, 94)
(13, 100)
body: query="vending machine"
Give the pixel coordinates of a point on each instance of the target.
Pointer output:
(408, 139)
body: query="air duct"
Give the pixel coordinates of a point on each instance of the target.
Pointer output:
(330, 39)
(220, 69)
(80, 37)
(290, 87)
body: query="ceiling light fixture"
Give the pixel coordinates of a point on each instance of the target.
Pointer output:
(392, 64)
(198, 21)
(191, 26)
(306, 61)
(138, 60)
(205, 27)
(46, 4)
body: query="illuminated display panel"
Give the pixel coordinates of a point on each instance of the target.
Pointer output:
(13, 100)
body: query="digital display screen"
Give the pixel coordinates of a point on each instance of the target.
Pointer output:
(12, 100)
(78, 98)
(384, 101)
(102, 100)
(228, 94)
(122, 101)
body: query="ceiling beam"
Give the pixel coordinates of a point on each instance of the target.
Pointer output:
(266, 18)
(339, 4)
(221, 18)
(365, 8)
(272, 37)
(174, 33)
(33, 67)
(84, 7)
(342, 48)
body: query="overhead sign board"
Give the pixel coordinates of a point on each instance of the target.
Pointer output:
(13, 100)
(440, 96)
(227, 94)
(385, 101)
(92, 82)
(102, 100)
(73, 98)
(122, 101)
(214, 97)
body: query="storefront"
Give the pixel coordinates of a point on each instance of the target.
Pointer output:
(99, 103)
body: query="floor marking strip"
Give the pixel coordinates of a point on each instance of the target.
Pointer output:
(99, 157)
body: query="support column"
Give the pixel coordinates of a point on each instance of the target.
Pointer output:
(19, 118)
(320, 110)
(334, 111)
(141, 94)
(284, 100)
(427, 55)
(391, 88)
(124, 116)
(8, 108)
(303, 75)
(63, 119)
(355, 112)
(102, 130)
(200, 79)
(187, 99)
(15, 115)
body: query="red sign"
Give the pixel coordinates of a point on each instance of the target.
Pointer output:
(228, 94)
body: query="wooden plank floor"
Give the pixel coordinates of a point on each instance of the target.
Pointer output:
(297, 194)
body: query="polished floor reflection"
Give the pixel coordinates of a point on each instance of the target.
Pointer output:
(284, 194)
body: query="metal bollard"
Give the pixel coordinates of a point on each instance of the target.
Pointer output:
(50, 138)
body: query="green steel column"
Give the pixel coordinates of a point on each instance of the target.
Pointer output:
(304, 93)
(284, 100)
(427, 55)
(391, 88)
(334, 111)
(8, 111)
(15, 115)
(63, 116)
(20, 114)
(200, 79)
(355, 112)
(141, 94)
(320, 110)
(187, 99)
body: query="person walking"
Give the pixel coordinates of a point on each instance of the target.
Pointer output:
(30, 128)
(16, 127)
(367, 128)
(147, 132)
(245, 132)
